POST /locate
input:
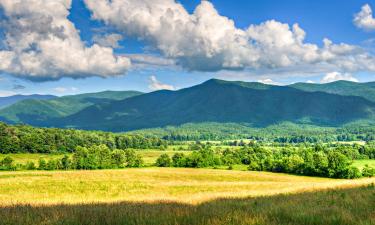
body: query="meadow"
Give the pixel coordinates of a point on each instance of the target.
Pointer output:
(182, 196)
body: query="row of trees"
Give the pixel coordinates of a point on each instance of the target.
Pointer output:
(317, 161)
(280, 133)
(84, 158)
(22, 139)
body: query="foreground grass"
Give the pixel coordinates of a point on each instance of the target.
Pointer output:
(191, 186)
(344, 207)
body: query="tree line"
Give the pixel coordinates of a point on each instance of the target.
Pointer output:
(84, 158)
(27, 139)
(310, 161)
(279, 133)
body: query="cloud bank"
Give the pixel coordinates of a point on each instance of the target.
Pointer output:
(207, 41)
(41, 43)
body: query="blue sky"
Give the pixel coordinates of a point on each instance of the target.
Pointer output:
(332, 19)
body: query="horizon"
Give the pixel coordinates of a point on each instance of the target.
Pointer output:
(270, 42)
(234, 81)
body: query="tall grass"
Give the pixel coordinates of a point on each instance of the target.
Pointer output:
(152, 184)
(334, 207)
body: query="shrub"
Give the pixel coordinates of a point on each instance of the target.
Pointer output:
(163, 161)
(66, 162)
(42, 165)
(7, 163)
(179, 160)
(368, 171)
(30, 165)
(132, 159)
(118, 158)
(353, 172)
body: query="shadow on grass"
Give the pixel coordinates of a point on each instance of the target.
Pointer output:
(346, 206)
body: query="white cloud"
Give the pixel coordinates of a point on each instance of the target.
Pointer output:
(335, 76)
(269, 81)
(7, 93)
(155, 85)
(65, 89)
(41, 44)
(207, 41)
(108, 40)
(364, 19)
(310, 82)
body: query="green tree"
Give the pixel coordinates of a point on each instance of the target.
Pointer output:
(179, 160)
(163, 161)
(42, 164)
(66, 162)
(118, 158)
(7, 163)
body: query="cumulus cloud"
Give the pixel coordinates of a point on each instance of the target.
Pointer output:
(335, 76)
(364, 18)
(155, 85)
(107, 40)
(268, 81)
(41, 43)
(208, 41)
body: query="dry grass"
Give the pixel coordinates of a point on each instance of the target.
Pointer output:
(170, 196)
(152, 184)
(335, 207)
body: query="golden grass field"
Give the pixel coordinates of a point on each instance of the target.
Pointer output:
(164, 196)
(174, 196)
(153, 184)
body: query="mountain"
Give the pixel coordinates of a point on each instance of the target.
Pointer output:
(220, 101)
(10, 100)
(347, 88)
(38, 112)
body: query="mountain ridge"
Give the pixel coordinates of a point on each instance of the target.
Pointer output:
(215, 100)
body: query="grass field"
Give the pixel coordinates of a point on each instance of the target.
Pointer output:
(361, 163)
(152, 184)
(181, 196)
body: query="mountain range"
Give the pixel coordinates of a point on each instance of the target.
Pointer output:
(10, 100)
(256, 104)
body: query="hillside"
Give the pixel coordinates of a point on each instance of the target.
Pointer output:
(9, 100)
(220, 101)
(346, 88)
(38, 112)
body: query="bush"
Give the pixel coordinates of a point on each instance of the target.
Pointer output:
(353, 172)
(66, 163)
(179, 160)
(30, 166)
(7, 163)
(118, 158)
(42, 164)
(132, 159)
(163, 161)
(368, 171)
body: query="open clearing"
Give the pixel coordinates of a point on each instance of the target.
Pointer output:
(153, 184)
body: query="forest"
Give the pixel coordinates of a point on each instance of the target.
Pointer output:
(27, 139)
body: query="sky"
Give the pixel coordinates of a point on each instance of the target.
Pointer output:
(64, 47)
